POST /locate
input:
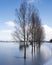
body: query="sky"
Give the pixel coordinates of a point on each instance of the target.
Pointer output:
(7, 16)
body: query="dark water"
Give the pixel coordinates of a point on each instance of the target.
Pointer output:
(10, 54)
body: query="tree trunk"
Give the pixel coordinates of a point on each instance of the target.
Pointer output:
(34, 46)
(24, 51)
(32, 42)
(27, 38)
(24, 42)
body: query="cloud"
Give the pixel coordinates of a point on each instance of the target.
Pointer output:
(10, 23)
(48, 32)
(6, 31)
(32, 1)
(5, 35)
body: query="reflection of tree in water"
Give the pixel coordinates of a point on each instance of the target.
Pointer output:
(37, 58)
(40, 57)
(21, 45)
(25, 62)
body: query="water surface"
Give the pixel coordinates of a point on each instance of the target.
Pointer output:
(10, 54)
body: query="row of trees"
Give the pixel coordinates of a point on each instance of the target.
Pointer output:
(28, 26)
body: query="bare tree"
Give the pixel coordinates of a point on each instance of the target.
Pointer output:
(28, 25)
(40, 36)
(33, 25)
(36, 29)
(20, 32)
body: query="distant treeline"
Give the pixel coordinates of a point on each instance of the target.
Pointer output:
(26, 41)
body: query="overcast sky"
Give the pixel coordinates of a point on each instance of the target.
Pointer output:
(7, 16)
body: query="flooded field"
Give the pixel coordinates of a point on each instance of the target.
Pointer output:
(10, 54)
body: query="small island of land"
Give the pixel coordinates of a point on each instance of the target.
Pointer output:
(50, 40)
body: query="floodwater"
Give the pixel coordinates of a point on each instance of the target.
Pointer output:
(10, 54)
